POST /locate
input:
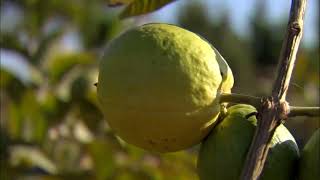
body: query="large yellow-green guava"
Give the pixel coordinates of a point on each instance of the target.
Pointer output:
(310, 159)
(159, 86)
(223, 153)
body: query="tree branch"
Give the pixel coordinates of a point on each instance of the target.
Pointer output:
(292, 111)
(304, 111)
(274, 108)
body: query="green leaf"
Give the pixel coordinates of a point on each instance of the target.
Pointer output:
(66, 153)
(103, 159)
(79, 88)
(90, 114)
(10, 41)
(98, 28)
(53, 108)
(22, 72)
(28, 157)
(139, 7)
(45, 44)
(62, 63)
(14, 122)
(35, 126)
(5, 78)
(26, 120)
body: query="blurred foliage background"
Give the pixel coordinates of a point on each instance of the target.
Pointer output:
(51, 127)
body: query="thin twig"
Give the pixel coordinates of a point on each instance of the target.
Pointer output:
(273, 108)
(240, 98)
(256, 102)
(304, 111)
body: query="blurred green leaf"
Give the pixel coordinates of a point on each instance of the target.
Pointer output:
(4, 149)
(82, 134)
(92, 89)
(44, 44)
(6, 172)
(53, 108)
(139, 7)
(135, 153)
(27, 75)
(5, 78)
(79, 88)
(103, 159)
(14, 123)
(28, 157)
(90, 114)
(183, 168)
(34, 124)
(62, 63)
(26, 120)
(87, 110)
(97, 28)
(10, 41)
(66, 153)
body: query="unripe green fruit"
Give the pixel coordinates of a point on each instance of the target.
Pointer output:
(159, 87)
(223, 153)
(310, 159)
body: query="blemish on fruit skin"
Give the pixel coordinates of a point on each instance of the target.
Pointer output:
(165, 43)
(167, 140)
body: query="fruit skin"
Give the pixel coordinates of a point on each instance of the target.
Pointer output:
(310, 159)
(222, 154)
(159, 86)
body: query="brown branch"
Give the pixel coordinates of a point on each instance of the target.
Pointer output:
(274, 108)
(291, 111)
(304, 111)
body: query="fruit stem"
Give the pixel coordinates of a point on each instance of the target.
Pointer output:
(240, 98)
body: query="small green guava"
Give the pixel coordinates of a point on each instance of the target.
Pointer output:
(159, 86)
(223, 153)
(309, 168)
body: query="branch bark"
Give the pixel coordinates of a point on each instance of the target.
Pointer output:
(304, 111)
(275, 107)
(291, 111)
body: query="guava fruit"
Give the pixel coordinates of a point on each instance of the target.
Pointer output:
(309, 167)
(159, 87)
(223, 152)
